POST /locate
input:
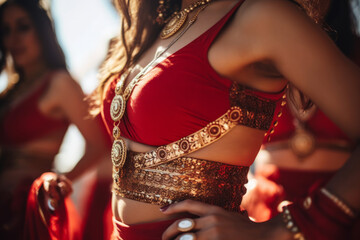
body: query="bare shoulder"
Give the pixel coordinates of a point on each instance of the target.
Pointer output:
(261, 19)
(260, 30)
(256, 11)
(61, 79)
(62, 88)
(267, 29)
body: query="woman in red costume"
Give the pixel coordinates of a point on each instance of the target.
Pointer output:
(189, 90)
(40, 102)
(307, 148)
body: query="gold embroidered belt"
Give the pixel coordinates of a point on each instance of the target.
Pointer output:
(182, 178)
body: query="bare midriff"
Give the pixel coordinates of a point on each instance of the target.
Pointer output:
(28, 161)
(238, 147)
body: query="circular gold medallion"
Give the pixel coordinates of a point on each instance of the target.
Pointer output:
(214, 130)
(235, 115)
(118, 153)
(174, 25)
(302, 143)
(117, 108)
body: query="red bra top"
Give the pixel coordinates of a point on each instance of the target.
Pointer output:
(25, 122)
(179, 96)
(319, 125)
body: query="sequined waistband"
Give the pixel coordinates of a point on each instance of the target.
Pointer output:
(182, 178)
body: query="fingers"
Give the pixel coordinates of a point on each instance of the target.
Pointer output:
(65, 185)
(57, 186)
(193, 207)
(51, 188)
(182, 226)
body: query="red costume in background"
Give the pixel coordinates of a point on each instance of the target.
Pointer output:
(281, 184)
(293, 184)
(24, 121)
(20, 124)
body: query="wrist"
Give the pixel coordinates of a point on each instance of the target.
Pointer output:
(277, 229)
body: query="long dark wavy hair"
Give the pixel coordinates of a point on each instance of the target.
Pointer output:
(342, 26)
(52, 52)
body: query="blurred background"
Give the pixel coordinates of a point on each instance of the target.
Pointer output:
(83, 28)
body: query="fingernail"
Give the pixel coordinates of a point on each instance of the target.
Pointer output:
(163, 208)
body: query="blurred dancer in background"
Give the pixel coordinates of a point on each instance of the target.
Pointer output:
(40, 102)
(307, 147)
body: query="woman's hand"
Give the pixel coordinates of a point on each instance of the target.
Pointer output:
(217, 223)
(56, 187)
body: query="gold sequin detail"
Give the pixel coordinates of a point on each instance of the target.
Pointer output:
(257, 112)
(183, 178)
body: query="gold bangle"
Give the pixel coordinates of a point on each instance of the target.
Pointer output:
(291, 226)
(345, 208)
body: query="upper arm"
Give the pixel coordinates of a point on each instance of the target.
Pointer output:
(308, 58)
(68, 97)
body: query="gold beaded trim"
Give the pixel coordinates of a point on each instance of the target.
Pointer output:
(142, 196)
(191, 143)
(345, 208)
(291, 226)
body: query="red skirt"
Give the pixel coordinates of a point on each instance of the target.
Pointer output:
(278, 184)
(97, 221)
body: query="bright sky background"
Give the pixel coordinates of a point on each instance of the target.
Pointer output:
(83, 28)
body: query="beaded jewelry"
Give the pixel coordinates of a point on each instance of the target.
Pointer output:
(118, 104)
(178, 19)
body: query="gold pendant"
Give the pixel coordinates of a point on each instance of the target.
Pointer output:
(302, 143)
(118, 153)
(117, 108)
(174, 25)
(116, 132)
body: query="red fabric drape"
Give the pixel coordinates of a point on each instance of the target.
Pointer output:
(97, 221)
(40, 223)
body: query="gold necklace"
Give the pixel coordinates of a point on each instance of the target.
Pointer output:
(178, 19)
(118, 103)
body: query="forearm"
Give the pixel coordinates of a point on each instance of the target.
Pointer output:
(330, 211)
(91, 157)
(278, 229)
(346, 182)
